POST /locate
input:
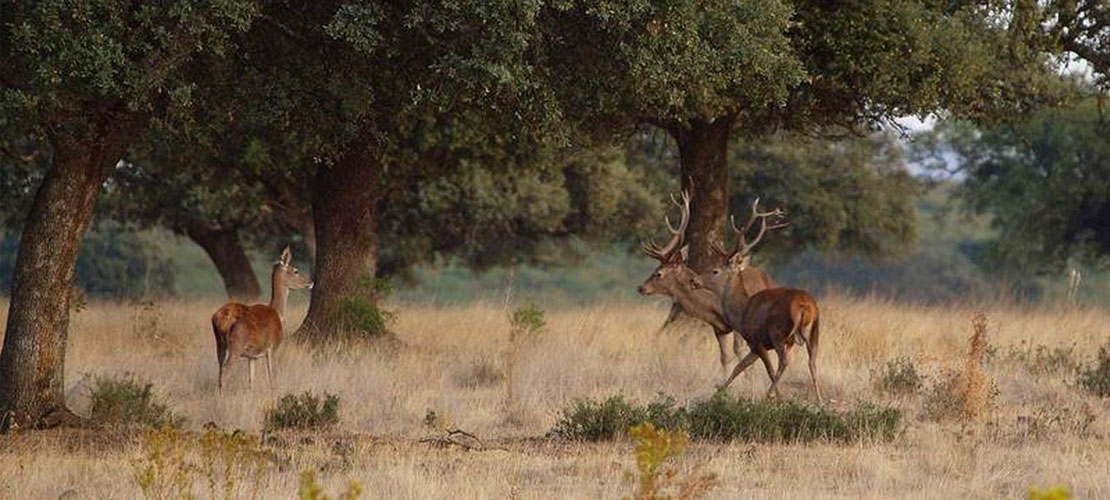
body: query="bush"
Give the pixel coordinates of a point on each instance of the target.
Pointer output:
(360, 315)
(1097, 378)
(656, 452)
(310, 489)
(589, 420)
(899, 378)
(304, 411)
(126, 401)
(527, 319)
(725, 419)
(1042, 360)
(967, 393)
(172, 462)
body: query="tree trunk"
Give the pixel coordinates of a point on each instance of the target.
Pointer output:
(32, 361)
(343, 211)
(703, 150)
(223, 247)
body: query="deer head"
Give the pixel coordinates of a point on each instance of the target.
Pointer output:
(288, 277)
(739, 258)
(672, 272)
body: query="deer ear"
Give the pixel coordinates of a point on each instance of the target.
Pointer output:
(684, 252)
(286, 255)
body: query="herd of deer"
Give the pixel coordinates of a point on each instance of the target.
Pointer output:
(734, 297)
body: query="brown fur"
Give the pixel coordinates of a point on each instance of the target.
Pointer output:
(254, 331)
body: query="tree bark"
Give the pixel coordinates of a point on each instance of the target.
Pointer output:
(344, 196)
(224, 248)
(32, 362)
(703, 150)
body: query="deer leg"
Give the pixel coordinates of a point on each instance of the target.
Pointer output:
(270, 371)
(765, 356)
(811, 349)
(784, 361)
(250, 376)
(722, 344)
(743, 364)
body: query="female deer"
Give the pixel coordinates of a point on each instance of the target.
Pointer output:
(254, 331)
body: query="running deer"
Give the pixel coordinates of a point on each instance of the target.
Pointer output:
(673, 278)
(774, 318)
(254, 331)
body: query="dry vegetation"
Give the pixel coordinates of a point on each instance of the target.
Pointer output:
(1029, 426)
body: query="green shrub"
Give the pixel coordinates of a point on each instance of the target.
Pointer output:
(1096, 379)
(1042, 360)
(304, 411)
(589, 420)
(726, 419)
(528, 319)
(1057, 493)
(657, 451)
(899, 378)
(360, 315)
(126, 401)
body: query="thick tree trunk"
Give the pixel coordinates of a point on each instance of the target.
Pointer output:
(33, 358)
(703, 150)
(223, 247)
(344, 196)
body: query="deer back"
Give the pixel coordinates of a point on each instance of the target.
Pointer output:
(771, 315)
(259, 325)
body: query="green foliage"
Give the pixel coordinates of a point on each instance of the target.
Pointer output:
(360, 315)
(1056, 493)
(725, 419)
(163, 472)
(1044, 181)
(310, 489)
(853, 196)
(172, 462)
(125, 401)
(304, 411)
(527, 319)
(1096, 379)
(899, 378)
(114, 261)
(656, 453)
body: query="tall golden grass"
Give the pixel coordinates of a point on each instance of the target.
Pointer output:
(1040, 430)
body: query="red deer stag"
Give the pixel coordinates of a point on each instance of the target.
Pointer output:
(673, 278)
(254, 331)
(775, 318)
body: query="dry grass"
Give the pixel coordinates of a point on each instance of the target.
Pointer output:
(1041, 430)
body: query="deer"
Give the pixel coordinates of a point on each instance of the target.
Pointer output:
(254, 331)
(673, 278)
(772, 319)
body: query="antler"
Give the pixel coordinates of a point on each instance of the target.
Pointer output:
(677, 234)
(742, 245)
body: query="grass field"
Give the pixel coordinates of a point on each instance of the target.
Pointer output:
(1042, 429)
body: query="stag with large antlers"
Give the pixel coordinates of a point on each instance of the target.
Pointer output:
(772, 319)
(673, 278)
(254, 331)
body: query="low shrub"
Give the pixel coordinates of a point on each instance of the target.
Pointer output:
(304, 411)
(1096, 379)
(723, 418)
(527, 319)
(126, 401)
(310, 489)
(966, 393)
(899, 378)
(1041, 359)
(658, 452)
(172, 462)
